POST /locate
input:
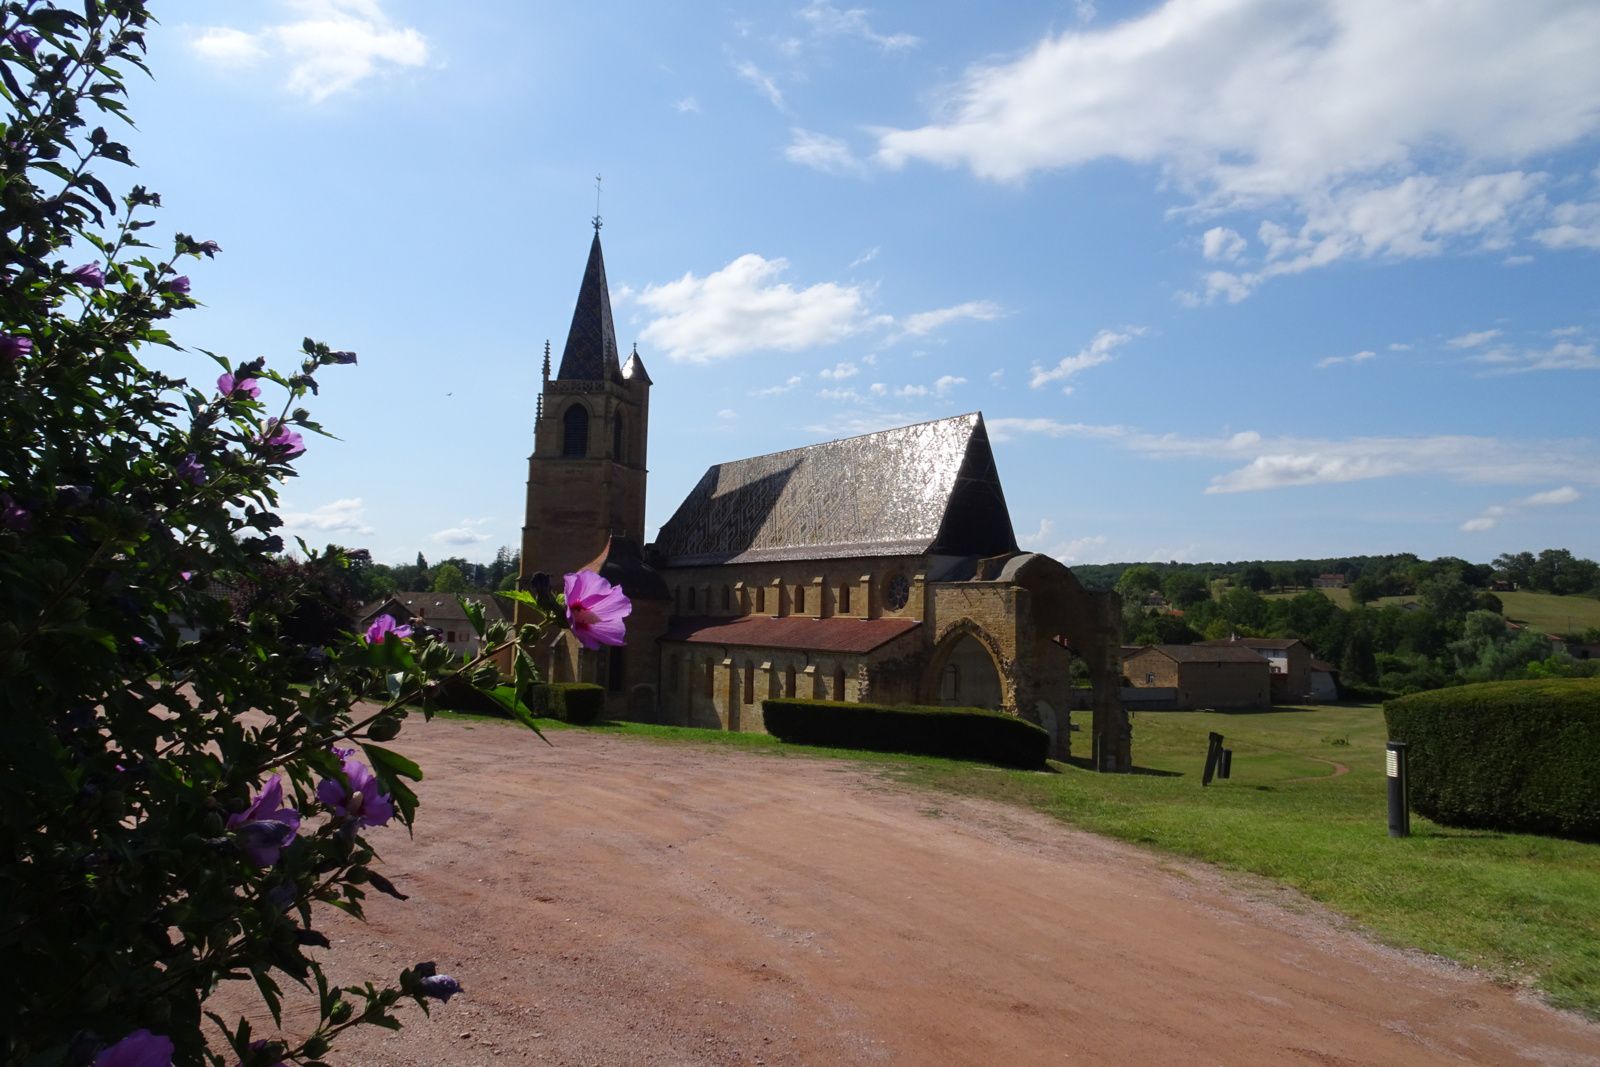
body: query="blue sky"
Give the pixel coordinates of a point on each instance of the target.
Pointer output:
(1228, 279)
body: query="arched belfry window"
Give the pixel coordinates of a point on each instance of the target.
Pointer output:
(575, 431)
(617, 438)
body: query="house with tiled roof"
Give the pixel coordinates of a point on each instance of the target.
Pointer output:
(1290, 660)
(1228, 677)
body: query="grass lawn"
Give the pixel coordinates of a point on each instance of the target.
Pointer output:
(1522, 908)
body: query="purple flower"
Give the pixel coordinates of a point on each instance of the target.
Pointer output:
(13, 348)
(24, 41)
(256, 1046)
(440, 987)
(227, 385)
(266, 827)
(186, 575)
(179, 285)
(342, 358)
(89, 274)
(358, 797)
(595, 609)
(282, 440)
(139, 1049)
(14, 516)
(382, 627)
(190, 470)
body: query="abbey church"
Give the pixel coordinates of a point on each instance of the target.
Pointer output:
(879, 568)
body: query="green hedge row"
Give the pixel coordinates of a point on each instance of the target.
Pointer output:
(960, 733)
(1521, 756)
(574, 702)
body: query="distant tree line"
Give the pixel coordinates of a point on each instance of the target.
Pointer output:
(1451, 632)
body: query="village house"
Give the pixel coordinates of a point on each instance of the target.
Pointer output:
(878, 568)
(439, 611)
(1329, 581)
(1195, 677)
(1290, 660)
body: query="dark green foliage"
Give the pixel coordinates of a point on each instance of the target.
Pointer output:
(1505, 755)
(576, 702)
(958, 733)
(1363, 694)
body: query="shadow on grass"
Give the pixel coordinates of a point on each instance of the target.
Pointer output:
(1083, 763)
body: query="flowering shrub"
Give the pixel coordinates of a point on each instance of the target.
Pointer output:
(175, 812)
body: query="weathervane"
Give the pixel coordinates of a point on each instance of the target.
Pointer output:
(596, 219)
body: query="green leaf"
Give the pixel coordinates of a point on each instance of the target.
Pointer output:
(473, 611)
(391, 761)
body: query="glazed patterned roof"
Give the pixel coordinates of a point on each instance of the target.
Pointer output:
(927, 488)
(591, 352)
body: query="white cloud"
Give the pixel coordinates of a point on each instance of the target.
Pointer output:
(340, 516)
(1575, 226)
(778, 390)
(464, 533)
(1261, 462)
(946, 383)
(688, 105)
(727, 413)
(848, 394)
(1098, 351)
(996, 376)
(839, 372)
(1399, 347)
(1516, 261)
(1472, 340)
(1084, 10)
(864, 258)
(1219, 242)
(1365, 128)
(821, 152)
(759, 78)
(1493, 514)
(744, 308)
(1073, 550)
(1359, 357)
(829, 21)
(912, 391)
(1566, 331)
(925, 322)
(1563, 355)
(333, 46)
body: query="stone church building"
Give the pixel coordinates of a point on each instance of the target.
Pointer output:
(878, 568)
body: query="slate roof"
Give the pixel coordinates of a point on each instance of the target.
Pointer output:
(591, 352)
(1255, 642)
(927, 488)
(1206, 653)
(796, 633)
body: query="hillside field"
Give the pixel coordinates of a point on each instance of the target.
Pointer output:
(1542, 611)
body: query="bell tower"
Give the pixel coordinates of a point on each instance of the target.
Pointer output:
(586, 477)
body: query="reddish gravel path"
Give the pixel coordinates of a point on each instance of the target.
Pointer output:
(617, 901)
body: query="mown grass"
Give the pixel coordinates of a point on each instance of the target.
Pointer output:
(1523, 909)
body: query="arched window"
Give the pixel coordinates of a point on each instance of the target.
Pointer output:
(691, 598)
(727, 598)
(788, 682)
(617, 438)
(799, 600)
(761, 598)
(711, 679)
(575, 431)
(844, 598)
(838, 683)
(749, 694)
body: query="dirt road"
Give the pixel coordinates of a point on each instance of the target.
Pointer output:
(616, 901)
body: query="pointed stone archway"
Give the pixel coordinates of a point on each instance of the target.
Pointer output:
(966, 670)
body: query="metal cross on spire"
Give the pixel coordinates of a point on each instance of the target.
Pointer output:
(596, 219)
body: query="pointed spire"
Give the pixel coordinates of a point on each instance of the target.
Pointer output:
(547, 359)
(591, 352)
(633, 370)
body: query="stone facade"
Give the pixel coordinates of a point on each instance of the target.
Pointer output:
(1225, 678)
(881, 568)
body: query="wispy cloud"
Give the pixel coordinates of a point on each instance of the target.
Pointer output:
(339, 516)
(787, 386)
(1261, 463)
(1068, 550)
(925, 322)
(826, 20)
(687, 105)
(1563, 355)
(1493, 515)
(821, 152)
(1359, 357)
(466, 532)
(864, 258)
(762, 81)
(330, 48)
(1098, 351)
(1472, 340)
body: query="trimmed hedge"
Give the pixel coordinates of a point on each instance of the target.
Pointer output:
(576, 702)
(1521, 756)
(959, 733)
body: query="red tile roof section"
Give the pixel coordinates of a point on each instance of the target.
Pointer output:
(814, 635)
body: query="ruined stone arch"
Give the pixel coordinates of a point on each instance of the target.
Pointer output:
(962, 635)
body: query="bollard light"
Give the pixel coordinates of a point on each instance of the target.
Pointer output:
(1399, 807)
